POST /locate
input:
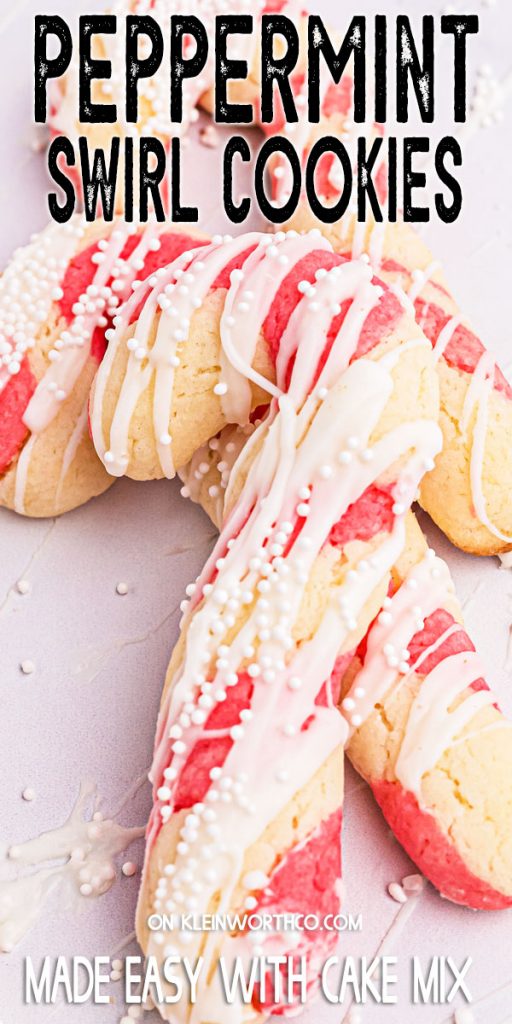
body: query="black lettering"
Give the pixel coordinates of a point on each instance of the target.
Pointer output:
(92, 69)
(392, 180)
(366, 187)
(460, 25)
(181, 67)
(414, 179)
(225, 112)
(283, 146)
(179, 213)
(328, 144)
(100, 181)
(354, 44)
(278, 69)
(447, 213)
(136, 67)
(409, 65)
(128, 180)
(44, 68)
(237, 146)
(381, 58)
(61, 212)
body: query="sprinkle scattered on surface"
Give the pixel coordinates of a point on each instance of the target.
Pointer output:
(129, 869)
(397, 893)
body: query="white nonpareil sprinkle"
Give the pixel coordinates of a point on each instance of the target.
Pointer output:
(413, 884)
(122, 589)
(397, 893)
(23, 586)
(27, 667)
(129, 869)
(29, 794)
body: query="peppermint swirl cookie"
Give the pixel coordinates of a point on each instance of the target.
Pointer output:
(58, 298)
(424, 728)
(201, 345)
(318, 503)
(466, 492)
(427, 734)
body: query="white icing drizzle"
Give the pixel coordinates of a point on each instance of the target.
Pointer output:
(266, 268)
(323, 301)
(389, 941)
(480, 388)
(310, 461)
(433, 724)
(85, 850)
(477, 397)
(420, 278)
(376, 243)
(71, 350)
(22, 468)
(29, 286)
(476, 390)
(445, 336)
(467, 737)
(392, 633)
(77, 435)
(393, 358)
(175, 293)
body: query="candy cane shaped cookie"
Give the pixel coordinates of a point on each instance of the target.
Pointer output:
(424, 729)
(58, 296)
(288, 592)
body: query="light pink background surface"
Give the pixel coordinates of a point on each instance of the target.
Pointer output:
(89, 709)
